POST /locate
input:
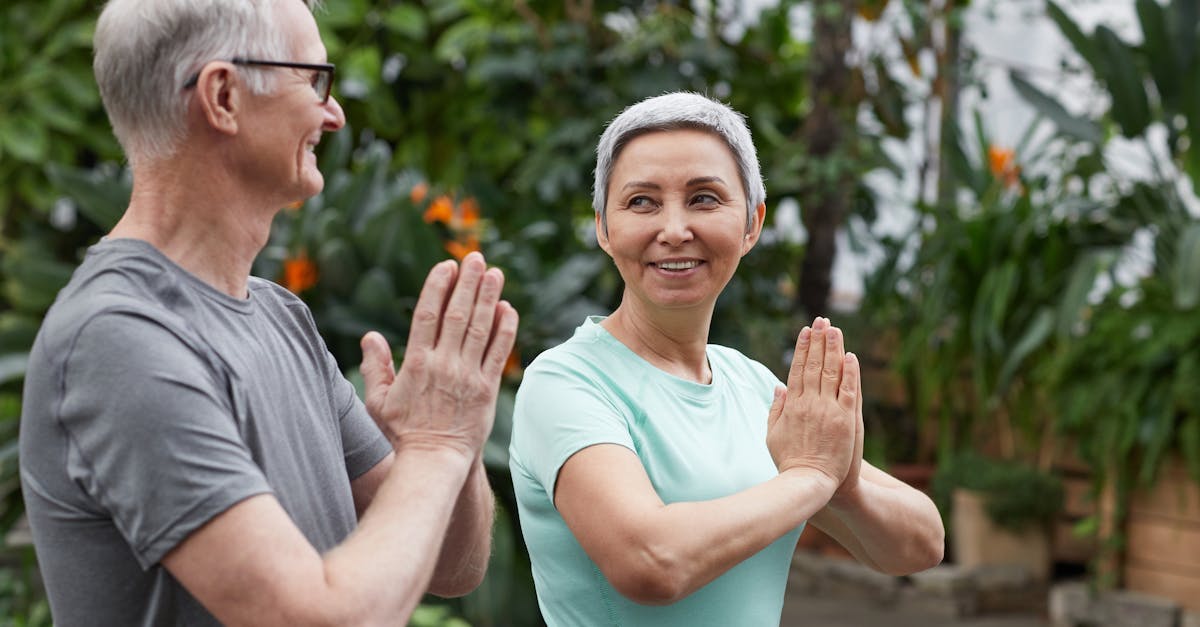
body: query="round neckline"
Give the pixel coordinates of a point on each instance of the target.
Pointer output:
(694, 390)
(131, 244)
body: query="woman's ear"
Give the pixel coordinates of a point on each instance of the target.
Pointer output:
(756, 226)
(602, 234)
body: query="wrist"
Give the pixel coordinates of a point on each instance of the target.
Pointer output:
(437, 449)
(814, 479)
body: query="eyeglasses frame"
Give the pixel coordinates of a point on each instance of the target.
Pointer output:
(326, 69)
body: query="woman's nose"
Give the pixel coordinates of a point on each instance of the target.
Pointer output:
(676, 225)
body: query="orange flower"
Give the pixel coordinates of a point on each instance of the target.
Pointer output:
(513, 365)
(870, 10)
(1003, 165)
(418, 193)
(460, 248)
(440, 210)
(468, 212)
(294, 206)
(299, 273)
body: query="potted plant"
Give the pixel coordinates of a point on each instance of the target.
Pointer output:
(999, 512)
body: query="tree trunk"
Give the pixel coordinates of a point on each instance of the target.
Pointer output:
(827, 197)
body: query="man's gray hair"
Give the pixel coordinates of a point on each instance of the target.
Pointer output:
(674, 111)
(146, 50)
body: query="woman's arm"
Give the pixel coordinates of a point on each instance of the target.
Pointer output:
(655, 553)
(658, 554)
(885, 523)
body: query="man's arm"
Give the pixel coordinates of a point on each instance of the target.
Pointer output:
(464, 557)
(251, 565)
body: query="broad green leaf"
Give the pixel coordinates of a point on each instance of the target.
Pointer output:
(22, 137)
(1081, 42)
(462, 39)
(1158, 45)
(376, 292)
(1130, 106)
(1074, 298)
(101, 195)
(338, 265)
(1073, 126)
(1035, 335)
(407, 20)
(1186, 272)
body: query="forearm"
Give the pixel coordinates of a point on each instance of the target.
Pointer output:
(387, 564)
(888, 526)
(684, 546)
(464, 557)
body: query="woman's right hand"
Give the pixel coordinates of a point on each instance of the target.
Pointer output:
(812, 425)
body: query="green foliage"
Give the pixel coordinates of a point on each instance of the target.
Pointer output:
(51, 107)
(22, 601)
(1015, 495)
(989, 280)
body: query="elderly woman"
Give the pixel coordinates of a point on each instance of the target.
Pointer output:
(663, 480)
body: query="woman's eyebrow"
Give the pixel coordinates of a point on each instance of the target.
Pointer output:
(704, 180)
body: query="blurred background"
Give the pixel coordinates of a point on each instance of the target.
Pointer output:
(994, 198)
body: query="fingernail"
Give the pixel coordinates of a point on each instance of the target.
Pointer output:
(805, 333)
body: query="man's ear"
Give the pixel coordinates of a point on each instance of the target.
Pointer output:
(219, 93)
(756, 226)
(602, 235)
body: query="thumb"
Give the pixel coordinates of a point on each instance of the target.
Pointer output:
(776, 406)
(377, 368)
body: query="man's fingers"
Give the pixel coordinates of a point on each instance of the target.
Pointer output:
(461, 305)
(831, 372)
(377, 368)
(795, 380)
(850, 392)
(503, 335)
(479, 331)
(815, 362)
(427, 315)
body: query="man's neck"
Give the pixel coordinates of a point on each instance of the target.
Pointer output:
(200, 221)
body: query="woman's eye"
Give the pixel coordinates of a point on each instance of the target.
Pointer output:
(641, 202)
(705, 199)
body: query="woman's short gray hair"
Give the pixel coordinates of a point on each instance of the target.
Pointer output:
(146, 50)
(674, 111)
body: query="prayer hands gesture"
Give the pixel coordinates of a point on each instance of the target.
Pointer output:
(816, 423)
(445, 392)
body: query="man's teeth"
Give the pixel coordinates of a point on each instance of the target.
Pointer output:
(678, 265)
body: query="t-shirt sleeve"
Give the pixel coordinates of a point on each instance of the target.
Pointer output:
(559, 412)
(363, 444)
(153, 438)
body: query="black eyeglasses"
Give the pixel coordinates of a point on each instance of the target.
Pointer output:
(322, 82)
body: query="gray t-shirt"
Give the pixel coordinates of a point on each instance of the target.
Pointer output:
(154, 402)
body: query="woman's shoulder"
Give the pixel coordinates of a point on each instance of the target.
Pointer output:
(739, 366)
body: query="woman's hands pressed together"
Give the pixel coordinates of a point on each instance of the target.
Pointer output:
(815, 424)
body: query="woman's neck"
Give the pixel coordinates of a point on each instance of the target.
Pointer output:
(675, 342)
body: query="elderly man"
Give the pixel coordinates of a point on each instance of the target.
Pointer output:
(190, 453)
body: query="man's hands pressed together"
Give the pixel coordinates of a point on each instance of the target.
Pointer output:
(445, 392)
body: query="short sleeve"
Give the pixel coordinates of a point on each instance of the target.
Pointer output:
(363, 444)
(152, 434)
(558, 412)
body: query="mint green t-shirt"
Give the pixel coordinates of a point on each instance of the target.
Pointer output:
(697, 442)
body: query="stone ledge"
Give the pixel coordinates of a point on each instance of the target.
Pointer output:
(1075, 604)
(945, 590)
